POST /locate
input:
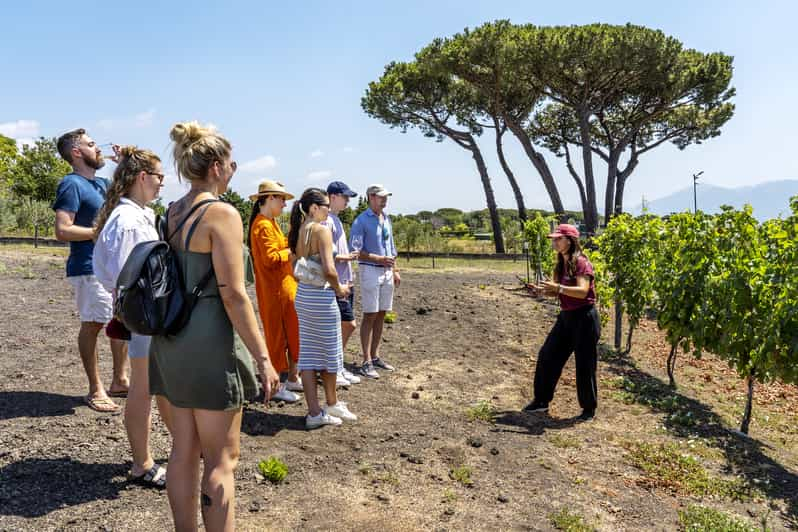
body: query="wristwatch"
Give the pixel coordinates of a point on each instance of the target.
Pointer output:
(559, 289)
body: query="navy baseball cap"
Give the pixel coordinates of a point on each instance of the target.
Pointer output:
(339, 187)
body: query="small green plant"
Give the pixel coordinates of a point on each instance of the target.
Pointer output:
(483, 410)
(273, 469)
(390, 317)
(462, 475)
(449, 496)
(698, 518)
(569, 521)
(667, 468)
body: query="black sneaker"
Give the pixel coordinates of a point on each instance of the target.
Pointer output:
(380, 363)
(536, 406)
(587, 415)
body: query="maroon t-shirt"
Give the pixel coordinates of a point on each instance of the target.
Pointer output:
(583, 268)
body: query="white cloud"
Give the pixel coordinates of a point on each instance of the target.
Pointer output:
(139, 120)
(348, 149)
(20, 129)
(319, 175)
(261, 164)
(144, 119)
(315, 154)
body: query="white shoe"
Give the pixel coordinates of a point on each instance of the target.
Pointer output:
(351, 377)
(340, 410)
(285, 395)
(313, 422)
(294, 386)
(340, 380)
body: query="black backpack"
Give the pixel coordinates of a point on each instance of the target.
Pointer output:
(151, 297)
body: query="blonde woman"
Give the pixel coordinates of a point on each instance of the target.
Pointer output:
(203, 370)
(124, 221)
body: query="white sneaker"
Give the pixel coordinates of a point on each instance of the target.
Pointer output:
(285, 395)
(313, 422)
(294, 386)
(340, 410)
(340, 380)
(351, 377)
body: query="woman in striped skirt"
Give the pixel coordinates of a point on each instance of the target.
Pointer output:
(320, 348)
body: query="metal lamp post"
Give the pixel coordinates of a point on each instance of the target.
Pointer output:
(695, 195)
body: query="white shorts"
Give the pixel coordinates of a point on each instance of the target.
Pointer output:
(94, 302)
(376, 288)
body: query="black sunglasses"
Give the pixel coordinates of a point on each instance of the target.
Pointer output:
(159, 176)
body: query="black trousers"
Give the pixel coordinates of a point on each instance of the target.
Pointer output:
(575, 331)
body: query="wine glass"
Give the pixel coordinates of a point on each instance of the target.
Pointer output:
(357, 245)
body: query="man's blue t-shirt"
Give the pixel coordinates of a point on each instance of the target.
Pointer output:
(84, 197)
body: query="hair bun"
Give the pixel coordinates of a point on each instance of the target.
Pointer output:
(128, 151)
(187, 133)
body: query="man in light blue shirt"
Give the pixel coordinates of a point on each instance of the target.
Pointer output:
(78, 198)
(378, 275)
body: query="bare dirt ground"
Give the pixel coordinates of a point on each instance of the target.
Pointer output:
(416, 460)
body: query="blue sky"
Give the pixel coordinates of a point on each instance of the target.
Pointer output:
(283, 82)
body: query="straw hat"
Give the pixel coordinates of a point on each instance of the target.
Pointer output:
(271, 188)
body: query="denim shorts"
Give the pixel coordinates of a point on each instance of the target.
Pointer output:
(347, 306)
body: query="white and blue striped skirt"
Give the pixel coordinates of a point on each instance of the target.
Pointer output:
(320, 346)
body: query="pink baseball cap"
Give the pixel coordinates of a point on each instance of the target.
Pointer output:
(565, 230)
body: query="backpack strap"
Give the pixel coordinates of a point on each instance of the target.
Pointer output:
(195, 223)
(185, 218)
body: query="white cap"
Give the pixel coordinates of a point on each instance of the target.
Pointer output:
(379, 190)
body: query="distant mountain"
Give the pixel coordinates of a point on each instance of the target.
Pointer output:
(769, 199)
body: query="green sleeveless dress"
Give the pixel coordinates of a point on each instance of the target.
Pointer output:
(205, 365)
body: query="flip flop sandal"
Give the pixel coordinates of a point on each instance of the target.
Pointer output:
(118, 393)
(154, 478)
(101, 404)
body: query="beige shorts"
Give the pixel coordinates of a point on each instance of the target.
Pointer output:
(94, 302)
(376, 288)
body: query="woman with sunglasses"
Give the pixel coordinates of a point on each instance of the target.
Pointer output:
(204, 370)
(275, 285)
(577, 328)
(122, 222)
(320, 346)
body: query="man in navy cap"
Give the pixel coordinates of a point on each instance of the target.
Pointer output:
(339, 194)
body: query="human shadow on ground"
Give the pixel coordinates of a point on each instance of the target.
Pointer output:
(269, 423)
(37, 486)
(14, 404)
(688, 418)
(535, 423)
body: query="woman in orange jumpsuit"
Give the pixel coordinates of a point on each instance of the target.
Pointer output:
(275, 285)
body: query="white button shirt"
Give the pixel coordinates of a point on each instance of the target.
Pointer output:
(127, 225)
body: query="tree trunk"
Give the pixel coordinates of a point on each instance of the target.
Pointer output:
(591, 215)
(748, 406)
(629, 338)
(619, 186)
(35, 236)
(618, 323)
(620, 183)
(671, 363)
(609, 192)
(540, 165)
(495, 223)
(519, 198)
